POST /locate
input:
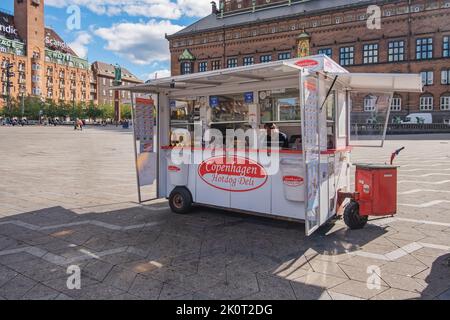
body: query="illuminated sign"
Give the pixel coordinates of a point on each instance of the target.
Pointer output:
(55, 43)
(59, 56)
(8, 29)
(11, 46)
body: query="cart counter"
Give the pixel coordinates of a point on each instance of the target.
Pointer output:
(234, 181)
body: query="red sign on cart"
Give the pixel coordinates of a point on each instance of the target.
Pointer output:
(174, 169)
(293, 181)
(235, 174)
(307, 63)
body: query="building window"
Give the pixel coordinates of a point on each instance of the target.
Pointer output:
(232, 63)
(445, 102)
(370, 53)
(215, 65)
(186, 68)
(396, 51)
(249, 61)
(265, 58)
(446, 47)
(445, 76)
(424, 48)
(427, 78)
(347, 56)
(370, 102)
(203, 66)
(284, 56)
(326, 51)
(396, 104)
(426, 103)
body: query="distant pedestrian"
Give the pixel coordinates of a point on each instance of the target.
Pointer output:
(80, 124)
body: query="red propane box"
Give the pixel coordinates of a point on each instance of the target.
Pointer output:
(377, 188)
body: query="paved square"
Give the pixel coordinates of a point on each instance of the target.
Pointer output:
(68, 198)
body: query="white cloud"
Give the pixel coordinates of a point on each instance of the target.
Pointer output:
(80, 44)
(164, 9)
(140, 43)
(159, 74)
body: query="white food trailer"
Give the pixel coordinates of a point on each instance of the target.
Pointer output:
(305, 102)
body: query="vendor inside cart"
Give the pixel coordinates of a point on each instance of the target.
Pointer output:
(272, 129)
(278, 111)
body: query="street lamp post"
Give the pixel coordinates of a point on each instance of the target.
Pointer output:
(73, 108)
(23, 104)
(117, 83)
(9, 75)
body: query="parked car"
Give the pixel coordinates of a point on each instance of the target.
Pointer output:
(418, 118)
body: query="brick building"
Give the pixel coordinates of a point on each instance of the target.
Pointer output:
(414, 38)
(103, 87)
(43, 64)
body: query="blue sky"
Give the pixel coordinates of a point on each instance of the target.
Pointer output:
(128, 32)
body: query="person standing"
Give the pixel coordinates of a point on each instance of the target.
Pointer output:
(80, 124)
(283, 141)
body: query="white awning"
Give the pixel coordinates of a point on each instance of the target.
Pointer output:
(381, 82)
(271, 71)
(277, 71)
(239, 75)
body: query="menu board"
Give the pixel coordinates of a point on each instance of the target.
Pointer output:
(311, 149)
(144, 123)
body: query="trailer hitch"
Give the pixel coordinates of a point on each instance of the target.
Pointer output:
(395, 154)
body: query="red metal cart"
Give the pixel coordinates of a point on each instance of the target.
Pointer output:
(375, 193)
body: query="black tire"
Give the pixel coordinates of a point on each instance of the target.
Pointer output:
(180, 200)
(352, 218)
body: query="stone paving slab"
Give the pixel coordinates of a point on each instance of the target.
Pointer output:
(61, 208)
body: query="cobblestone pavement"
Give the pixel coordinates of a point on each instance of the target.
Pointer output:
(68, 198)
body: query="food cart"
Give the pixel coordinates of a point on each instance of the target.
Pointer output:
(300, 168)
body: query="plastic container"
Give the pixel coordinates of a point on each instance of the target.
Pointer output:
(178, 173)
(293, 179)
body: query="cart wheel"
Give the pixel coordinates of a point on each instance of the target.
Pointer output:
(180, 200)
(352, 218)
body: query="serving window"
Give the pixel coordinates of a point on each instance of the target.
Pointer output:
(183, 115)
(184, 112)
(280, 106)
(229, 108)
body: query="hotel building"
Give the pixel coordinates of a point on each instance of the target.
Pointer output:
(44, 65)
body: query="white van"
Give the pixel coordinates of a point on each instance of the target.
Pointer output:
(414, 118)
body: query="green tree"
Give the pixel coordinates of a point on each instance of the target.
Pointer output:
(125, 112)
(32, 108)
(107, 111)
(51, 109)
(13, 111)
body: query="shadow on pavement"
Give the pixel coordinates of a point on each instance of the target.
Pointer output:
(438, 280)
(147, 252)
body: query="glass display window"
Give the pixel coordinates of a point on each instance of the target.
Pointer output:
(280, 106)
(330, 106)
(184, 111)
(229, 108)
